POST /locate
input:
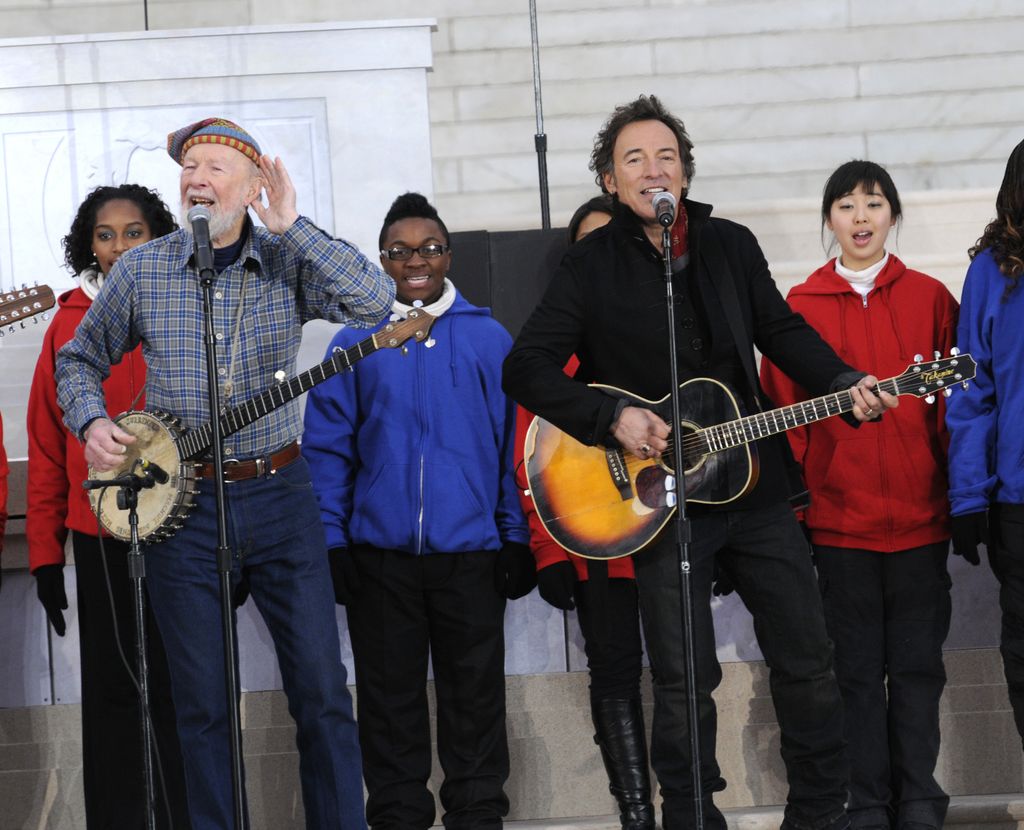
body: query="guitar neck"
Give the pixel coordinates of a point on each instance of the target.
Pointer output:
(197, 441)
(765, 424)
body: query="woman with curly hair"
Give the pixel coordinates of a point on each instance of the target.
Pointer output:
(986, 452)
(110, 221)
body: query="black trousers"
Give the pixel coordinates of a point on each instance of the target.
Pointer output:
(888, 615)
(445, 607)
(1006, 555)
(609, 616)
(115, 795)
(766, 555)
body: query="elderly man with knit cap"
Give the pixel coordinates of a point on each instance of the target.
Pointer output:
(269, 281)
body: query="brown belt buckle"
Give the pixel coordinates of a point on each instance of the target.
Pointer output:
(227, 461)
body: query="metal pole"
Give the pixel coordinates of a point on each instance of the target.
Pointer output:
(540, 141)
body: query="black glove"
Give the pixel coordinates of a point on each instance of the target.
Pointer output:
(515, 572)
(970, 530)
(50, 589)
(556, 583)
(344, 575)
(721, 583)
(241, 593)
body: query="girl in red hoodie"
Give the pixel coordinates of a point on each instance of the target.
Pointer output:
(878, 517)
(110, 221)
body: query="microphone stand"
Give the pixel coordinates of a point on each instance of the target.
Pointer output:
(207, 274)
(128, 499)
(540, 140)
(677, 491)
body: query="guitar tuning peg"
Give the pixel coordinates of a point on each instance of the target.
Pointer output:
(430, 343)
(929, 399)
(918, 358)
(954, 352)
(947, 391)
(405, 350)
(966, 384)
(936, 354)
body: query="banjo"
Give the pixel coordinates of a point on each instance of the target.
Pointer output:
(161, 440)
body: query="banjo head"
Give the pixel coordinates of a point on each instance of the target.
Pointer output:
(161, 508)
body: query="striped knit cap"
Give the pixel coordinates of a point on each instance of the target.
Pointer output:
(212, 131)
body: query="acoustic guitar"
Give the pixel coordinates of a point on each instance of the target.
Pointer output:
(23, 304)
(603, 503)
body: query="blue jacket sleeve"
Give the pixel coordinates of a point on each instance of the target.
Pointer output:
(329, 447)
(971, 414)
(509, 518)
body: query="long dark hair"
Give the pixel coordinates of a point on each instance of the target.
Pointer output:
(1004, 235)
(77, 244)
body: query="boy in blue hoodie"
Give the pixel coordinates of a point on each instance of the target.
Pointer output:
(411, 455)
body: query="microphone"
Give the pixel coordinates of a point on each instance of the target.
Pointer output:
(159, 473)
(664, 205)
(199, 219)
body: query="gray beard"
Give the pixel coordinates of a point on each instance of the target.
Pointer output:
(220, 222)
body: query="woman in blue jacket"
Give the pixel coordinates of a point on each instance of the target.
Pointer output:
(411, 455)
(986, 451)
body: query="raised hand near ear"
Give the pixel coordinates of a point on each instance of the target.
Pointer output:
(279, 213)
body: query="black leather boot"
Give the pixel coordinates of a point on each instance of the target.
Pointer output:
(620, 735)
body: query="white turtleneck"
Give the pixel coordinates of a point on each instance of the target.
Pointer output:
(435, 309)
(91, 281)
(862, 281)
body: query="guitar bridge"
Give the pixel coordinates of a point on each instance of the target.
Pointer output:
(619, 472)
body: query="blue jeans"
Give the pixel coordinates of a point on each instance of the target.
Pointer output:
(765, 553)
(276, 536)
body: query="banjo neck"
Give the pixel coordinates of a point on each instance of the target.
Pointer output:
(416, 325)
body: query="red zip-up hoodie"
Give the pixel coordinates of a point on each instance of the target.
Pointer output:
(881, 487)
(56, 460)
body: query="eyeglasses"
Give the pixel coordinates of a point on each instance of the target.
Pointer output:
(403, 252)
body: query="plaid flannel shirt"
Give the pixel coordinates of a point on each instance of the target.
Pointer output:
(153, 296)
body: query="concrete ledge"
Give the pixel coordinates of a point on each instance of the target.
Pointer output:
(998, 811)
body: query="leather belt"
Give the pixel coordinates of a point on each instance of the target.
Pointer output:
(253, 467)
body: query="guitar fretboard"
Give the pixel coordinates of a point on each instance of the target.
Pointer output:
(764, 424)
(197, 441)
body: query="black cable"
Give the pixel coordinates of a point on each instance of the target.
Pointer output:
(127, 665)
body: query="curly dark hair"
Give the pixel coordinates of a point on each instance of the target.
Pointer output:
(77, 244)
(1004, 235)
(411, 206)
(598, 204)
(644, 108)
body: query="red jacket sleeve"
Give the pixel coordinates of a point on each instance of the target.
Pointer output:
(47, 489)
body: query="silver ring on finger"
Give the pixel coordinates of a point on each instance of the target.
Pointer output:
(645, 449)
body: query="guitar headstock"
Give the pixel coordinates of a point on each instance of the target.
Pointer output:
(21, 304)
(415, 326)
(941, 374)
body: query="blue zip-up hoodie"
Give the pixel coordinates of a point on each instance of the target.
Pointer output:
(986, 447)
(413, 452)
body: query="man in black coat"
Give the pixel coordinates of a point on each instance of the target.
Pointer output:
(606, 304)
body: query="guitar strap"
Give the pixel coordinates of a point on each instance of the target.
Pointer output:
(726, 286)
(718, 264)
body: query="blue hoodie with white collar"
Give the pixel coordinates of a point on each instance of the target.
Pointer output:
(413, 451)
